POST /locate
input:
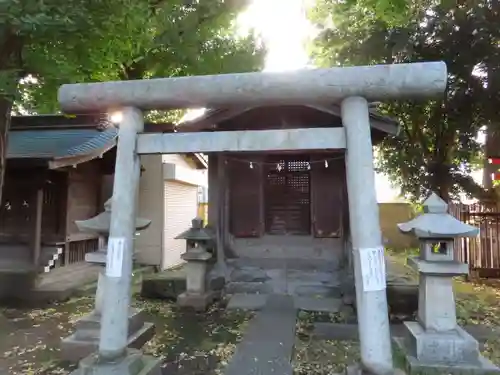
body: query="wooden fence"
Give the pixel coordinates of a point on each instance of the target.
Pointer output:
(481, 253)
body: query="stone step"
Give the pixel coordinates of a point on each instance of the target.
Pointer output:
(328, 305)
(256, 302)
(301, 264)
(74, 348)
(314, 290)
(297, 288)
(236, 287)
(89, 326)
(247, 301)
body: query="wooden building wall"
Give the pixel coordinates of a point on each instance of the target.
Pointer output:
(18, 209)
(305, 198)
(83, 196)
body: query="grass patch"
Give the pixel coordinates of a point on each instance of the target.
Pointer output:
(321, 357)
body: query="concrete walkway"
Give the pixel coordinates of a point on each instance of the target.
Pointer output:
(267, 346)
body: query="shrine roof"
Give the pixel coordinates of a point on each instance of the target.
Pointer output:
(69, 140)
(53, 144)
(52, 138)
(214, 116)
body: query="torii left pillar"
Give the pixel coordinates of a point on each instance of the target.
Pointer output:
(113, 356)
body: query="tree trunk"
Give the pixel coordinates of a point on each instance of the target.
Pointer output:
(12, 69)
(487, 180)
(5, 117)
(440, 180)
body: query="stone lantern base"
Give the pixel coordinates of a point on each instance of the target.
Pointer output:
(85, 340)
(133, 363)
(452, 352)
(197, 296)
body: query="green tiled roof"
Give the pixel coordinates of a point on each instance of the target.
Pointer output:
(58, 143)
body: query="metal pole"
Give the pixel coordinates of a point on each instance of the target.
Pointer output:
(114, 323)
(369, 265)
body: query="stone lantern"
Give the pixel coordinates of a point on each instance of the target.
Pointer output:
(435, 343)
(197, 258)
(86, 338)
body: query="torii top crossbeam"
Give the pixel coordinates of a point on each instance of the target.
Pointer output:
(377, 82)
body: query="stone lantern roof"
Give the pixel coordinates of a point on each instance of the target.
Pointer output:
(101, 223)
(436, 222)
(196, 232)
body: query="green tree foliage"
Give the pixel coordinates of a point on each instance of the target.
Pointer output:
(45, 43)
(437, 146)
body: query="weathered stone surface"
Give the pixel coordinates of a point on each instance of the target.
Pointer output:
(357, 370)
(216, 282)
(436, 222)
(320, 291)
(249, 274)
(247, 301)
(133, 364)
(102, 222)
(436, 310)
(171, 287)
(163, 288)
(197, 301)
(378, 82)
(83, 343)
(329, 305)
(196, 273)
(244, 287)
(437, 352)
(418, 367)
(92, 323)
(435, 344)
(455, 346)
(267, 345)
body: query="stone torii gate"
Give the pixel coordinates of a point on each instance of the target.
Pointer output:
(353, 87)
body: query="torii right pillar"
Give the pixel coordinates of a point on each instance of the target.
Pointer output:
(368, 251)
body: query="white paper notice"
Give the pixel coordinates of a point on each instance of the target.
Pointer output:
(372, 262)
(114, 259)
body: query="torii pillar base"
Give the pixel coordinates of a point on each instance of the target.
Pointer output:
(133, 363)
(358, 370)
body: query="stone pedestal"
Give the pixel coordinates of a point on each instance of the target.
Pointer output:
(133, 363)
(358, 370)
(196, 295)
(435, 344)
(85, 340)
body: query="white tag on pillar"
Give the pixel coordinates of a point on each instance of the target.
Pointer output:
(115, 254)
(372, 261)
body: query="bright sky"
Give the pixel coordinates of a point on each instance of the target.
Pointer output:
(284, 27)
